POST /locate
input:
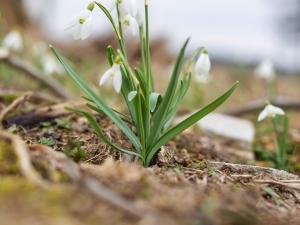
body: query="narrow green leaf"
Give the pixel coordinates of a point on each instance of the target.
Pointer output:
(159, 116)
(189, 122)
(95, 125)
(99, 102)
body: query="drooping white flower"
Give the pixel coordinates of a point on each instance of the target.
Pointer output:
(82, 24)
(270, 111)
(115, 73)
(131, 24)
(13, 41)
(51, 65)
(202, 67)
(128, 7)
(266, 70)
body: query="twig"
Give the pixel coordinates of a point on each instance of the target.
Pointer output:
(254, 106)
(61, 162)
(254, 170)
(13, 106)
(23, 157)
(290, 186)
(32, 72)
(42, 114)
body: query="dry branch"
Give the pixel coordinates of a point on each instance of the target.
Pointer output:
(23, 157)
(253, 170)
(33, 73)
(61, 162)
(42, 114)
(14, 105)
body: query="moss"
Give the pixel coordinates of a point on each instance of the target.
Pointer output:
(8, 159)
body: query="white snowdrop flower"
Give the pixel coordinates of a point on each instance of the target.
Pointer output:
(115, 73)
(82, 23)
(203, 66)
(139, 18)
(204, 79)
(265, 70)
(270, 111)
(51, 65)
(130, 23)
(128, 7)
(13, 41)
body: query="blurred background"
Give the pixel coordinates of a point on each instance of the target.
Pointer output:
(235, 31)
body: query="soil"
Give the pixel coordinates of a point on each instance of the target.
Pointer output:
(195, 179)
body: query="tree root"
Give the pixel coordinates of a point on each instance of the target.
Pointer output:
(255, 171)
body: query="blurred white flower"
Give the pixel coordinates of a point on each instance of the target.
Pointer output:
(128, 7)
(81, 25)
(202, 67)
(265, 70)
(13, 41)
(115, 73)
(130, 23)
(270, 111)
(51, 65)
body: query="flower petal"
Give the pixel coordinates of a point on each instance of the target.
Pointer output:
(117, 82)
(263, 115)
(273, 110)
(86, 29)
(203, 65)
(105, 77)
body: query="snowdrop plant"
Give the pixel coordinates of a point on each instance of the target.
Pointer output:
(279, 121)
(147, 123)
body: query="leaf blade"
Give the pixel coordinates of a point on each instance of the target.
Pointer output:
(98, 101)
(189, 122)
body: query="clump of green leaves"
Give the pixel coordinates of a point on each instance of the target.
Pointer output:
(149, 113)
(73, 150)
(47, 141)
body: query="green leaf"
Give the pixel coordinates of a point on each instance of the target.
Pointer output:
(95, 125)
(159, 116)
(132, 95)
(189, 122)
(99, 102)
(184, 86)
(153, 101)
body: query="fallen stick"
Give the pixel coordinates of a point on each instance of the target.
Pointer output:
(61, 162)
(255, 106)
(23, 157)
(14, 105)
(42, 114)
(253, 170)
(32, 72)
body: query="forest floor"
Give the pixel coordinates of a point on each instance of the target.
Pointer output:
(55, 170)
